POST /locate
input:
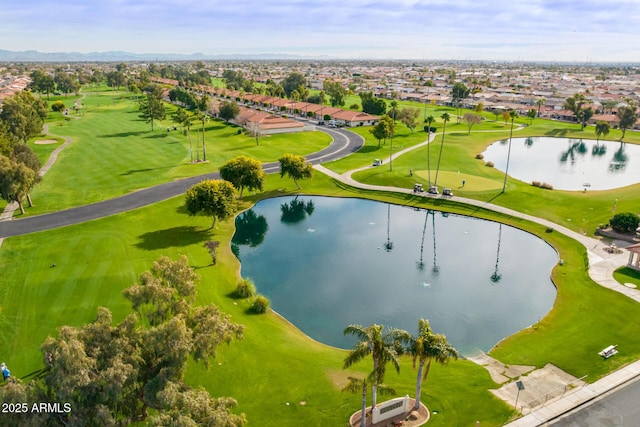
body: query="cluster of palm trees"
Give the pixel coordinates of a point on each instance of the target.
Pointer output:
(386, 347)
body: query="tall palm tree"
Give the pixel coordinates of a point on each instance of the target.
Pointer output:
(186, 122)
(425, 347)
(513, 114)
(445, 118)
(203, 118)
(429, 121)
(540, 102)
(382, 347)
(602, 129)
(357, 385)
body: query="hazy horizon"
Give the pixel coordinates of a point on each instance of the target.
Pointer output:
(516, 30)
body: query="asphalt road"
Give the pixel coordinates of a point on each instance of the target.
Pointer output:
(618, 408)
(344, 143)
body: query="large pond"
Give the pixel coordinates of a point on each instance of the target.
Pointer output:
(326, 263)
(568, 164)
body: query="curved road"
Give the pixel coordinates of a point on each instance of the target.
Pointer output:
(344, 143)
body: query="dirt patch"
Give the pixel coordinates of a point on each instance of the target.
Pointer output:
(46, 142)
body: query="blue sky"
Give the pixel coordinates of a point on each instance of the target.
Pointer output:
(537, 30)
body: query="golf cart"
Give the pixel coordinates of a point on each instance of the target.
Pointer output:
(417, 188)
(377, 162)
(433, 190)
(447, 192)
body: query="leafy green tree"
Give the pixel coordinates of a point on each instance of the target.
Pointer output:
(602, 129)
(58, 106)
(66, 83)
(228, 110)
(628, 117)
(152, 107)
(479, 108)
(319, 98)
(116, 79)
(625, 222)
(212, 197)
(576, 104)
(531, 114)
(243, 172)
(114, 374)
(336, 92)
(372, 105)
(16, 181)
(23, 115)
(42, 83)
(292, 82)
(445, 118)
(295, 167)
(425, 347)
(383, 348)
(459, 92)
(471, 119)
(393, 111)
(409, 117)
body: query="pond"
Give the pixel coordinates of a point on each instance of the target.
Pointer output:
(568, 164)
(327, 262)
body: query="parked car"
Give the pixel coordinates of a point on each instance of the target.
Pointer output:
(447, 192)
(321, 122)
(377, 162)
(417, 188)
(433, 190)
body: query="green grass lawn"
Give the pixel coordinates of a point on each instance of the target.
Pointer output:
(627, 275)
(579, 211)
(114, 152)
(274, 364)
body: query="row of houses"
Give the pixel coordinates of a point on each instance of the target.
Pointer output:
(267, 115)
(12, 85)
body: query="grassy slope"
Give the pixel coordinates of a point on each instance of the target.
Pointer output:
(114, 152)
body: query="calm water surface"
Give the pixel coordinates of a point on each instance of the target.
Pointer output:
(328, 262)
(568, 164)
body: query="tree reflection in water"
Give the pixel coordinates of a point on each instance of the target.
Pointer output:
(296, 211)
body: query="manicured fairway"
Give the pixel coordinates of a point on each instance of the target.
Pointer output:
(114, 152)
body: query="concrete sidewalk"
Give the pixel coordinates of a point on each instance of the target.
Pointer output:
(601, 267)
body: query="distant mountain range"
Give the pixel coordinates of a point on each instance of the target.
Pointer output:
(115, 56)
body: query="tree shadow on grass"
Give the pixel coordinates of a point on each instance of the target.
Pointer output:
(157, 135)
(173, 237)
(124, 134)
(557, 132)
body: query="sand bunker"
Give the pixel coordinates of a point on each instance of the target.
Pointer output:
(46, 141)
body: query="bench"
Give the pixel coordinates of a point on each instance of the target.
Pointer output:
(609, 351)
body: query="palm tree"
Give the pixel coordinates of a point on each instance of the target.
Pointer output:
(445, 118)
(186, 122)
(382, 347)
(357, 385)
(540, 102)
(513, 114)
(602, 129)
(429, 121)
(203, 118)
(425, 347)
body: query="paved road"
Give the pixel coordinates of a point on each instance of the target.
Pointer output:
(617, 408)
(344, 143)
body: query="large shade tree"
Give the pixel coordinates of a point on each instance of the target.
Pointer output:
(296, 167)
(383, 346)
(243, 172)
(132, 372)
(426, 347)
(212, 197)
(23, 116)
(152, 107)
